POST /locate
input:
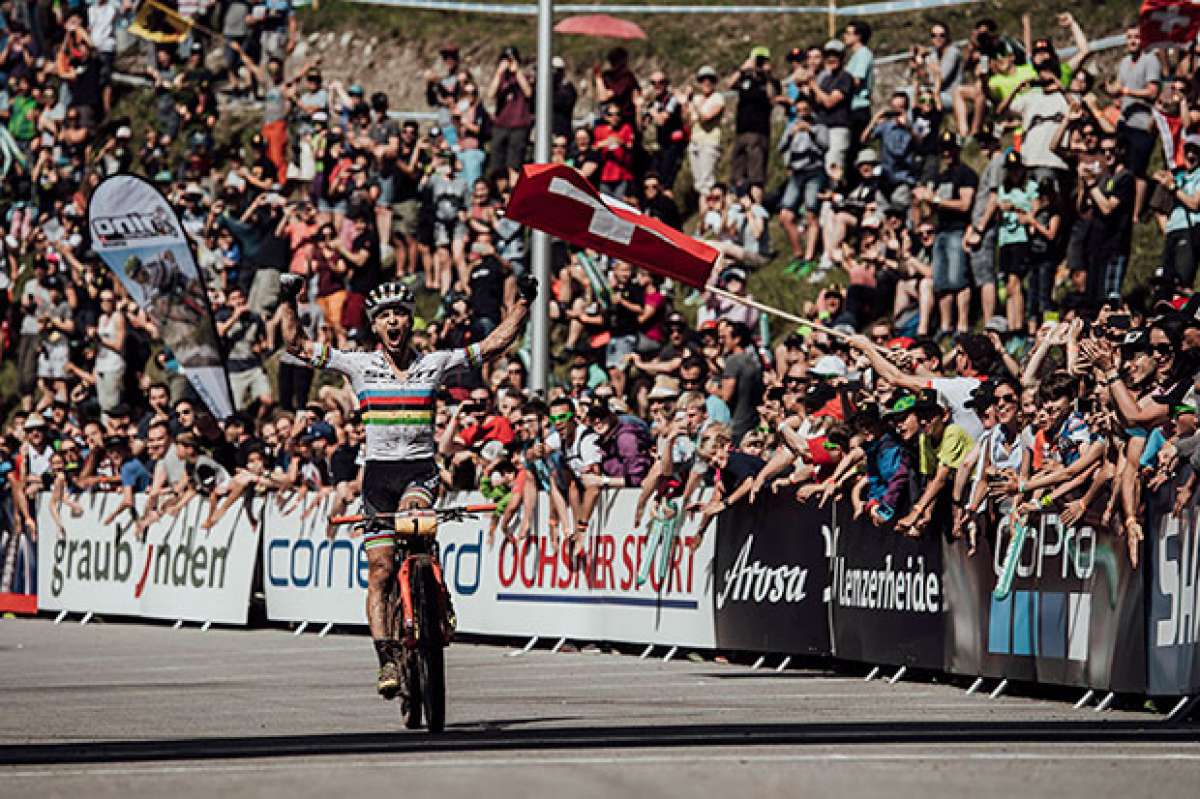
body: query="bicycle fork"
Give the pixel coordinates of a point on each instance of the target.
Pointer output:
(413, 633)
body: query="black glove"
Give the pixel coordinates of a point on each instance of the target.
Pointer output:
(527, 284)
(290, 286)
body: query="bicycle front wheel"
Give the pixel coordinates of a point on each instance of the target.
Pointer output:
(429, 654)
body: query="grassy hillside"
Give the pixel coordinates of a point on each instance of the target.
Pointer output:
(387, 49)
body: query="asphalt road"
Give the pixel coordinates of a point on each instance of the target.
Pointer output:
(133, 710)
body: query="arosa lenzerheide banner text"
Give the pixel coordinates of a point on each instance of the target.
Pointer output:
(180, 570)
(507, 588)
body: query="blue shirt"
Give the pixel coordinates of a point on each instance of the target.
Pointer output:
(134, 474)
(862, 67)
(1181, 218)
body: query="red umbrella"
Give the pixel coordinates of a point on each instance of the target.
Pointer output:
(601, 25)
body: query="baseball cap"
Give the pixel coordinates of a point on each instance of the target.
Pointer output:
(1012, 158)
(355, 90)
(34, 422)
(558, 63)
(1043, 44)
(733, 274)
(677, 319)
(795, 54)
(834, 46)
(949, 141)
(706, 72)
(866, 156)
(197, 47)
(761, 51)
(828, 366)
(124, 132)
(448, 47)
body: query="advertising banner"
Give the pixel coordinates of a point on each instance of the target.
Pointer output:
(180, 570)
(508, 588)
(137, 234)
(887, 599)
(772, 577)
(1074, 616)
(1173, 631)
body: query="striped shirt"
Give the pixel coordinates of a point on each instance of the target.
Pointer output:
(397, 408)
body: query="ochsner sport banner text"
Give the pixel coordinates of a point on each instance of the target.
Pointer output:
(508, 588)
(180, 570)
(138, 235)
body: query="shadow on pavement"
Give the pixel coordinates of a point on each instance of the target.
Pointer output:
(490, 736)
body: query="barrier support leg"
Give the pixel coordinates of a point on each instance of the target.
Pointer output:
(62, 614)
(998, 690)
(300, 630)
(646, 652)
(670, 654)
(758, 663)
(872, 675)
(975, 686)
(528, 646)
(783, 664)
(204, 627)
(325, 630)
(895, 678)
(558, 645)
(178, 623)
(1106, 702)
(1085, 699)
(86, 618)
(1182, 708)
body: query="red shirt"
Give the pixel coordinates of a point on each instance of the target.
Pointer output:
(616, 160)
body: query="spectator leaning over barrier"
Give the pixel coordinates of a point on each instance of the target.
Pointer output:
(735, 472)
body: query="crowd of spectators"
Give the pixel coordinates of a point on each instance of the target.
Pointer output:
(974, 347)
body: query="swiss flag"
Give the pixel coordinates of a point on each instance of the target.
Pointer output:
(558, 200)
(1167, 23)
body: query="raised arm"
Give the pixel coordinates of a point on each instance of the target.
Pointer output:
(513, 323)
(295, 340)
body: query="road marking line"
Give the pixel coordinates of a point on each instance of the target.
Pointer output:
(425, 761)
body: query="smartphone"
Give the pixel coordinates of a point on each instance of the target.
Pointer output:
(1120, 321)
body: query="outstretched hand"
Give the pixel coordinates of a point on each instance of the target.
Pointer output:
(527, 284)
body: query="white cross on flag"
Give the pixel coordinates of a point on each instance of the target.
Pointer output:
(559, 200)
(1168, 23)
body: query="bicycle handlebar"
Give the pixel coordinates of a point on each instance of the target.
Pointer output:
(442, 513)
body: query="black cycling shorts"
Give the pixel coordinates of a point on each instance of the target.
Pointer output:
(388, 483)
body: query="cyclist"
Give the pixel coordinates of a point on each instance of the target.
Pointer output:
(396, 390)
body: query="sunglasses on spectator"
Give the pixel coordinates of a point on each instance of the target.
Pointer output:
(937, 35)
(689, 384)
(1108, 150)
(1006, 398)
(558, 418)
(926, 232)
(793, 381)
(1164, 349)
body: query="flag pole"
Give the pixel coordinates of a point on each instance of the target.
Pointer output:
(539, 360)
(768, 309)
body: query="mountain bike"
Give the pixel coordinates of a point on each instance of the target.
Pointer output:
(419, 612)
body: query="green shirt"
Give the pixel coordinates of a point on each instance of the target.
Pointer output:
(950, 452)
(1021, 199)
(20, 121)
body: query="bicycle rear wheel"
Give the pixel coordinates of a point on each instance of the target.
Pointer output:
(429, 654)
